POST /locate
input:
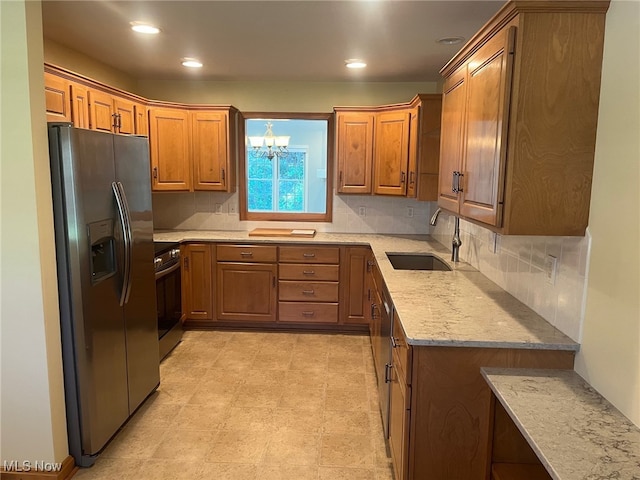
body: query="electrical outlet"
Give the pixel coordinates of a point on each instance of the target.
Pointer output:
(409, 212)
(362, 211)
(233, 209)
(550, 269)
(218, 209)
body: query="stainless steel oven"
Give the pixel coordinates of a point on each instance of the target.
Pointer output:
(168, 295)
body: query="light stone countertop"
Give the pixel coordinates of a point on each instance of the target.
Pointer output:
(458, 308)
(574, 431)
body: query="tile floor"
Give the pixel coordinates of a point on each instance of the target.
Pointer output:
(256, 406)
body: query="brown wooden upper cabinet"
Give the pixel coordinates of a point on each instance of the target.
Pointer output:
(89, 105)
(355, 151)
(212, 142)
(520, 107)
(170, 149)
(389, 150)
(192, 149)
(57, 98)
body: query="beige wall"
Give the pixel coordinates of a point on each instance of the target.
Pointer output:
(62, 56)
(610, 354)
(284, 96)
(32, 398)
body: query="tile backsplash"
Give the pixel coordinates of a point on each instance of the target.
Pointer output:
(219, 211)
(518, 266)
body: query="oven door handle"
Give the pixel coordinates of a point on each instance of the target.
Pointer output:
(166, 272)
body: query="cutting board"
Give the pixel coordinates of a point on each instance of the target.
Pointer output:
(282, 232)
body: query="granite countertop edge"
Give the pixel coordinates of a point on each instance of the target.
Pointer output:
(464, 308)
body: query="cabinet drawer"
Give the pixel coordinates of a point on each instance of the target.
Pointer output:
(310, 254)
(292, 271)
(246, 253)
(308, 312)
(309, 291)
(402, 351)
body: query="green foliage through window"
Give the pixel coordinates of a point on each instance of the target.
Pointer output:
(276, 185)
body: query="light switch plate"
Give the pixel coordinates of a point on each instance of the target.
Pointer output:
(362, 211)
(409, 212)
(232, 209)
(218, 209)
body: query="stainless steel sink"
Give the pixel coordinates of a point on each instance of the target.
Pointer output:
(417, 261)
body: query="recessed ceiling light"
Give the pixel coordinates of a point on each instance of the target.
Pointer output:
(450, 40)
(191, 62)
(355, 63)
(142, 27)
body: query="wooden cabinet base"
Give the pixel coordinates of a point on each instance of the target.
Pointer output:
(291, 326)
(518, 471)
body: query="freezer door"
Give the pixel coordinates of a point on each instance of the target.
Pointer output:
(92, 322)
(133, 174)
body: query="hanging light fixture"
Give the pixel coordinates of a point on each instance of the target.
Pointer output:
(270, 145)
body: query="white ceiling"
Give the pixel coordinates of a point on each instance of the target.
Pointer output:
(247, 40)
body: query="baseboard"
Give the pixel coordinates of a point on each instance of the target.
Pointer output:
(34, 472)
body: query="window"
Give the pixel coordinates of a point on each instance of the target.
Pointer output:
(292, 182)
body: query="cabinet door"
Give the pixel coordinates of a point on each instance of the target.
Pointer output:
(488, 89)
(142, 122)
(399, 415)
(197, 289)
(101, 111)
(429, 147)
(355, 152)
(56, 92)
(246, 291)
(452, 138)
(80, 106)
(391, 153)
(210, 150)
(125, 116)
(353, 286)
(412, 167)
(169, 145)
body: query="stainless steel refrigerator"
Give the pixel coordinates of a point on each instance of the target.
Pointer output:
(104, 248)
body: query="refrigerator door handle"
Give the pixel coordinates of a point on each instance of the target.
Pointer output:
(129, 242)
(125, 236)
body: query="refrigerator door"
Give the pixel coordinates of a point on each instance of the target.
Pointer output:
(133, 174)
(92, 322)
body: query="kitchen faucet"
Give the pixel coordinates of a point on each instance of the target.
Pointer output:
(455, 242)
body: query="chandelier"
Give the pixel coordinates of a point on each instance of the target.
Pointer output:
(269, 145)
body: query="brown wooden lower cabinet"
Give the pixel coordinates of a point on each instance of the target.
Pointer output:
(451, 408)
(246, 291)
(278, 285)
(197, 287)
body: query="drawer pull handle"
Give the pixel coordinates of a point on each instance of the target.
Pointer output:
(308, 255)
(246, 254)
(308, 292)
(308, 272)
(394, 342)
(308, 314)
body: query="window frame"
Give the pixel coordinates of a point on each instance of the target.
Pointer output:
(244, 212)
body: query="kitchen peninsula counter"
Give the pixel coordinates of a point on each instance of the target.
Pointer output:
(458, 308)
(575, 432)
